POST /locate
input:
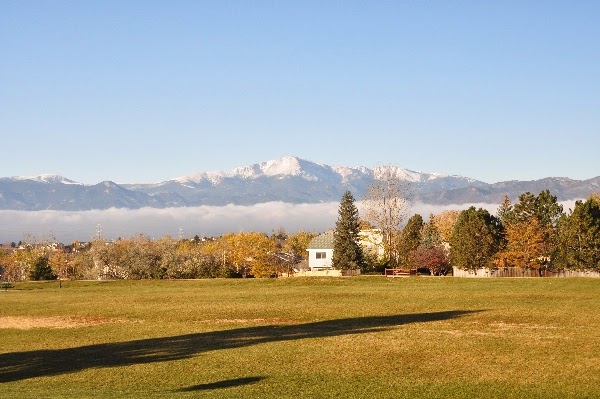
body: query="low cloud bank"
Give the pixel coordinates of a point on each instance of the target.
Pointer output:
(203, 221)
(67, 226)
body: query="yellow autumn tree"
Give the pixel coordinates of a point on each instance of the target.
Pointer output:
(59, 262)
(250, 253)
(526, 245)
(444, 223)
(298, 243)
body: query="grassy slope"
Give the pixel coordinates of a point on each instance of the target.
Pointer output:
(320, 338)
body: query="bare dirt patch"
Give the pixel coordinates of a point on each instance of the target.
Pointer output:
(275, 320)
(513, 326)
(27, 323)
(502, 329)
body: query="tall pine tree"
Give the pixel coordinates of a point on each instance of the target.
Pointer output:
(347, 252)
(506, 213)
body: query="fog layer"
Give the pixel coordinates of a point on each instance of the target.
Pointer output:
(202, 221)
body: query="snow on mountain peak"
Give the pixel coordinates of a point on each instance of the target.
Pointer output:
(286, 166)
(213, 177)
(412, 176)
(47, 178)
(283, 167)
(347, 173)
(291, 166)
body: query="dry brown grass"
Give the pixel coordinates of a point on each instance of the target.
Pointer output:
(303, 338)
(28, 323)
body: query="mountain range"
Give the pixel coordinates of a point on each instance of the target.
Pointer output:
(289, 179)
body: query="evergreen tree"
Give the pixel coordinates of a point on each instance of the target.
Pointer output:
(547, 209)
(476, 238)
(579, 237)
(531, 225)
(505, 213)
(347, 252)
(41, 270)
(430, 235)
(526, 207)
(409, 240)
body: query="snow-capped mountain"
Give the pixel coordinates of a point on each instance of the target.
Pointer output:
(289, 179)
(279, 168)
(287, 167)
(47, 178)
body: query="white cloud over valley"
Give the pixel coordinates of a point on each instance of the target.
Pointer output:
(203, 220)
(67, 226)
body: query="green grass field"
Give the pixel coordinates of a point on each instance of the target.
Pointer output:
(367, 337)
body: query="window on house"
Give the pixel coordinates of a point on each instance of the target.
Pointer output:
(321, 255)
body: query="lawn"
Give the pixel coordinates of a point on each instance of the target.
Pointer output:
(365, 337)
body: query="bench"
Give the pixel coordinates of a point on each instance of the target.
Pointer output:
(400, 272)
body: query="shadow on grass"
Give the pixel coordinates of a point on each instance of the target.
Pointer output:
(22, 365)
(222, 384)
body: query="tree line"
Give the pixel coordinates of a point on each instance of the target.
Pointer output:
(140, 257)
(534, 233)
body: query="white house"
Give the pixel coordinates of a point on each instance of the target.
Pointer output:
(320, 251)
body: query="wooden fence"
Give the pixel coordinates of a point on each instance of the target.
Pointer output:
(520, 272)
(327, 273)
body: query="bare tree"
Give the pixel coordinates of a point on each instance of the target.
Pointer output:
(386, 207)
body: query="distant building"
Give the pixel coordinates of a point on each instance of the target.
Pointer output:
(371, 240)
(320, 252)
(320, 249)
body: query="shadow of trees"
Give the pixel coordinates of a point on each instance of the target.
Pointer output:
(236, 382)
(22, 365)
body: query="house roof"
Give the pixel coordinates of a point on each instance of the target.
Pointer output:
(322, 241)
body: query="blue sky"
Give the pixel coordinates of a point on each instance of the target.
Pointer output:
(144, 91)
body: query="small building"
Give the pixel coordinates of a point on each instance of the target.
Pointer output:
(320, 252)
(371, 241)
(320, 249)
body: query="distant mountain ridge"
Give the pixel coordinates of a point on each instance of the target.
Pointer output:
(288, 179)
